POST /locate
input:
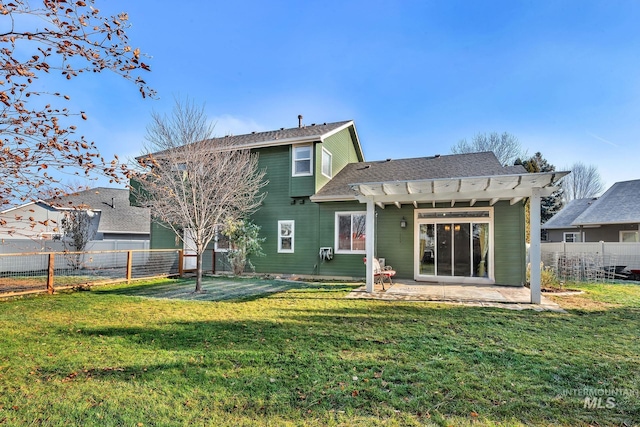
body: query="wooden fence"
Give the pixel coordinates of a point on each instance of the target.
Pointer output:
(37, 272)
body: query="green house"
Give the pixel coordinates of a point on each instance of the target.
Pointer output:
(449, 219)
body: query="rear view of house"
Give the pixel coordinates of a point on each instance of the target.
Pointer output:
(453, 218)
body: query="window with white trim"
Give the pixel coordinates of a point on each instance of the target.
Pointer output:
(350, 232)
(326, 163)
(571, 237)
(302, 160)
(629, 237)
(286, 233)
(221, 241)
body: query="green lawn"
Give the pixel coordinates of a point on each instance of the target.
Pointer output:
(305, 355)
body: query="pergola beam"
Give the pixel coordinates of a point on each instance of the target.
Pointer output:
(452, 195)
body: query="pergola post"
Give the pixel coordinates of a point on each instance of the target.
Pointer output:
(534, 248)
(370, 242)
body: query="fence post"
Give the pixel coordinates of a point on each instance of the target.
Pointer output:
(50, 274)
(180, 262)
(129, 265)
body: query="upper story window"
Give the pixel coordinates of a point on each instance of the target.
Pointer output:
(326, 163)
(302, 160)
(350, 232)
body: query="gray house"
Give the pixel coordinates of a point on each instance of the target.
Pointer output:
(613, 217)
(113, 217)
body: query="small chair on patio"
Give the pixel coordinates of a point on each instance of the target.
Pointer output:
(380, 274)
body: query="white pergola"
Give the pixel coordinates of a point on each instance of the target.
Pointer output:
(514, 187)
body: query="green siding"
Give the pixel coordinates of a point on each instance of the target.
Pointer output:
(314, 228)
(393, 243)
(342, 148)
(341, 264)
(396, 244)
(276, 207)
(163, 238)
(509, 245)
(299, 186)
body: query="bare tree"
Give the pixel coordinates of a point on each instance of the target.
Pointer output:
(505, 146)
(583, 182)
(79, 227)
(194, 184)
(37, 132)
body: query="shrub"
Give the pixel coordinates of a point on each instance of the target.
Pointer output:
(548, 278)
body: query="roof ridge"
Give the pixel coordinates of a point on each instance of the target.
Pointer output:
(282, 129)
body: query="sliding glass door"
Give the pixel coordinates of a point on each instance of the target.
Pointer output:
(453, 244)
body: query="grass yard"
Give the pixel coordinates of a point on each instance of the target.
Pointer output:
(304, 355)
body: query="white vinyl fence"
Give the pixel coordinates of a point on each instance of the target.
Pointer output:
(588, 262)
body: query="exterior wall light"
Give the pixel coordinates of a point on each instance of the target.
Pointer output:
(403, 223)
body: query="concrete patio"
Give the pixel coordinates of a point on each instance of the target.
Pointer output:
(509, 297)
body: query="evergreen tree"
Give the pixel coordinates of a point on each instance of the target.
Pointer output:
(551, 205)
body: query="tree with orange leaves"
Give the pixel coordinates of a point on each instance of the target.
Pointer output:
(37, 132)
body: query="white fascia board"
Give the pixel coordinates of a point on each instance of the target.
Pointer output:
(343, 198)
(599, 224)
(24, 205)
(341, 128)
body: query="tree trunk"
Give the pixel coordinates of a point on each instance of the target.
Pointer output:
(198, 272)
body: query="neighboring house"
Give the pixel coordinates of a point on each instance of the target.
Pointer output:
(112, 215)
(448, 219)
(613, 217)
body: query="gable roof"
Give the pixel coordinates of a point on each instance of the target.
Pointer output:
(422, 168)
(298, 135)
(620, 204)
(568, 214)
(116, 213)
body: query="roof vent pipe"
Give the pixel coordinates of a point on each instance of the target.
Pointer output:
(299, 120)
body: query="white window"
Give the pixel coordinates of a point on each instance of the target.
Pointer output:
(571, 237)
(350, 232)
(302, 160)
(286, 232)
(326, 163)
(629, 237)
(222, 241)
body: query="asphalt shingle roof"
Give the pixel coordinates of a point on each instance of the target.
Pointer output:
(568, 214)
(306, 131)
(435, 167)
(620, 204)
(116, 214)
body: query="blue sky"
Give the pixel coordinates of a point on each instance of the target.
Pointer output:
(416, 76)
